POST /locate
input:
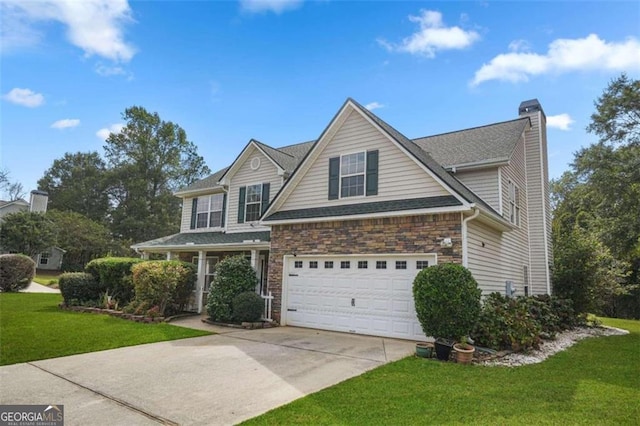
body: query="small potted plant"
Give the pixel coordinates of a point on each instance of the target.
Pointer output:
(424, 349)
(464, 350)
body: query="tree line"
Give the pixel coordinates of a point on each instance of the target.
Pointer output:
(101, 204)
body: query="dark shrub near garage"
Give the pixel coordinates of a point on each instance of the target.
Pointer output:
(247, 306)
(234, 275)
(447, 300)
(79, 288)
(16, 272)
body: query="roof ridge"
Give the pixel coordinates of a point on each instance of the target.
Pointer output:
(270, 147)
(470, 128)
(296, 144)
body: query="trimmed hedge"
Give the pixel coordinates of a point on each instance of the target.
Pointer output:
(16, 272)
(234, 275)
(447, 300)
(165, 284)
(114, 275)
(248, 306)
(78, 288)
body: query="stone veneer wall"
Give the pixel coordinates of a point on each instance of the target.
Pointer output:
(410, 234)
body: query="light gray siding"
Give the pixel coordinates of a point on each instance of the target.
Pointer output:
(53, 262)
(399, 177)
(484, 256)
(267, 172)
(484, 183)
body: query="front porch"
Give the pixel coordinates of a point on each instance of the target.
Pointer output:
(206, 249)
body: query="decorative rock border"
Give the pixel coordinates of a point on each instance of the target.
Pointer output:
(113, 313)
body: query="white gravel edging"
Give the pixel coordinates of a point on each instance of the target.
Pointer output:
(551, 347)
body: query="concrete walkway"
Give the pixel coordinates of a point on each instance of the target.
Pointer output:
(212, 380)
(39, 288)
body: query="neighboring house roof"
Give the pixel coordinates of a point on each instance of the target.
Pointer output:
(4, 204)
(486, 144)
(206, 239)
(366, 208)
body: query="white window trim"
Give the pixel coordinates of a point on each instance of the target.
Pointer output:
(246, 202)
(209, 211)
(364, 174)
(514, 208)
(44, 256)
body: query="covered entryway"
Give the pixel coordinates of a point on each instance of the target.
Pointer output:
(363, 294)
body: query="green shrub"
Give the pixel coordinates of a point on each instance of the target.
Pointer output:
(79, 288)
(447, 300)
(506, 323)
(234, 275)
(16, 272)
(164, 283)
(114, 274)
(247, 306)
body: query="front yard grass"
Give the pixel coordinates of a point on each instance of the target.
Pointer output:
(597, 381)
(47, 278)
(32, 327)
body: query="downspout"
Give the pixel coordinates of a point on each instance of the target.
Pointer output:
(465, 255)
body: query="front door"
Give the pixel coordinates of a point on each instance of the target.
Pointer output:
(208, 278)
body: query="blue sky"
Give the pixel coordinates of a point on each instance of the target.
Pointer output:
(278, 71)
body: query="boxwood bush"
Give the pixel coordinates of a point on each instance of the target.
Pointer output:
(234, 275)
(447, 300)
(165, 284)
(247, 306)
(114, 274)
(16, 272)
(79, 288)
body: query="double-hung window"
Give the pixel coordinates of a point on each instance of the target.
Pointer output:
(210, 211)
(253, 203)
(352, 169)
(353, 175)
(514, 205)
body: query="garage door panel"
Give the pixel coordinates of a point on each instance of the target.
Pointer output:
(365, 298)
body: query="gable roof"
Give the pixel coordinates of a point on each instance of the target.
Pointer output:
(428, 161)
(492, 143)
(4, 204)
(287, 158)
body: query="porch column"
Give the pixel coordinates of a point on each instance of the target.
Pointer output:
(202, 264)
(170, 255)
(145, 255)
(254, 265)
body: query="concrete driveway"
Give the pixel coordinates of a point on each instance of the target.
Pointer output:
(211, 380)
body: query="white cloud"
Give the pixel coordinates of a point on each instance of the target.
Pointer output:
(519, 46)
(66, 123)
(564, 55)
(95, 26)
(560, 121)
(373, 105)
(275, 6)
(24, 97)
(432, 36)
(104, 133)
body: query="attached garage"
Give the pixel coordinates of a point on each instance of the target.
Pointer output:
(363, 294)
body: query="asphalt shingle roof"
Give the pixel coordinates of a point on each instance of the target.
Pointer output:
(205, 238)
(366, 208)
(494, 142)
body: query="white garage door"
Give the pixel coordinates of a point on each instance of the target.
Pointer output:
(357, 294)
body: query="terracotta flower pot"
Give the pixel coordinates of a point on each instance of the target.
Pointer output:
(464, 355)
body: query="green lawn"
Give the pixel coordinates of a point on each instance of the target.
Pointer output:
(596, 381)
(32, 327)
(45, 278)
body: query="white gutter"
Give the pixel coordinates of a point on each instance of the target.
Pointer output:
(465, 255)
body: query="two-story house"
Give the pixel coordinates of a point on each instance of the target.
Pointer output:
(337, 228)
(50, 259)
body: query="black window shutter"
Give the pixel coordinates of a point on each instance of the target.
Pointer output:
(372, 172)
(241, 200)
(265, 197)
(334, 177)
(194, 212)
(224, 209)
